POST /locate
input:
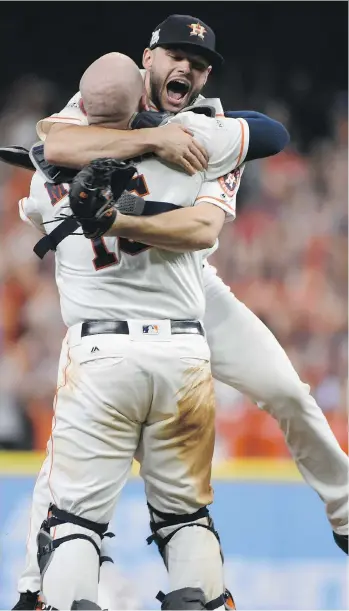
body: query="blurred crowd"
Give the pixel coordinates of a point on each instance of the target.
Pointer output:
(285, 257)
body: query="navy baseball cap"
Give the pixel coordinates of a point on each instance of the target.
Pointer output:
(187, 32)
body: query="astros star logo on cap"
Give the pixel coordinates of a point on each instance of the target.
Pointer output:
(197, 30)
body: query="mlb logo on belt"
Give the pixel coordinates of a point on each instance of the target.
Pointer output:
(150, 329)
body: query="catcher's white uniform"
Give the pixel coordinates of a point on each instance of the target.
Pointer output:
(246, 356)
(147, 391)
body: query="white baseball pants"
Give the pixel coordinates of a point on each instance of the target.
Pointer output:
(121, 396)
(246, 356)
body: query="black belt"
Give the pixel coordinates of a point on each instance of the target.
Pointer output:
(96, 327)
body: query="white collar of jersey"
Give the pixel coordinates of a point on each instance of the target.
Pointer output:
(200, 101)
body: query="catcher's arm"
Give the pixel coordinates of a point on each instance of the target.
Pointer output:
(75, 146)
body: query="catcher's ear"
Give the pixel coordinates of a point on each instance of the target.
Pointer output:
(147, 59)
(143, 102)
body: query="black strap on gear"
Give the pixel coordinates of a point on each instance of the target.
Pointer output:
(216, 602)
(148, 118)
(50, 547)
(51, 240)
(105, 559)
(152, 208)
(52, 173)
(102, 559)
(59, 516)
(171, 519)
(69, 225)
(211, 605)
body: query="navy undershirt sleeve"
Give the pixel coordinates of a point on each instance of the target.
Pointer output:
(267, 136)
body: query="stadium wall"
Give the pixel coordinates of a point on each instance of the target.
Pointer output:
(279, 552)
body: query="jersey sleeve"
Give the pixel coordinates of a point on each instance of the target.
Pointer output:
(226, 141)
(222, 192)
(73, 113)
(29, 213)
(44, 202)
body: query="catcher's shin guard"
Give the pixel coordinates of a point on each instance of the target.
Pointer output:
(190, 548)
(56, 517)
(69, 564)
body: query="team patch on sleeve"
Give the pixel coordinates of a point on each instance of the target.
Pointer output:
(230, 182)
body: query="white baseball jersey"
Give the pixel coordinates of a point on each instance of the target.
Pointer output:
(113, 278)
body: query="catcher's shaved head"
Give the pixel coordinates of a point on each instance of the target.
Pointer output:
(111, 90)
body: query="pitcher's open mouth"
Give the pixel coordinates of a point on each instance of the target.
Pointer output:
(177, 91)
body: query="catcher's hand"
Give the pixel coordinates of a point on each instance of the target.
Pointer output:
(94, 193)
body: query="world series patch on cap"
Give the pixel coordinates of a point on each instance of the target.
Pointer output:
(185, 31)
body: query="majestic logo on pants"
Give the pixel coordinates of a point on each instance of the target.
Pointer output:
(150, 329)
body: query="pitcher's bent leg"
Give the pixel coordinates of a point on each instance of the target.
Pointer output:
(247, 356)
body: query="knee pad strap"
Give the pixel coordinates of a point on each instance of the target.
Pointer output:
(171, 519)
(57, 516)
(105, 559)
(50, 546)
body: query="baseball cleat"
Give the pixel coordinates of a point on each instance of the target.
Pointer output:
(27, 601)
(228, 600)
(342, 542)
